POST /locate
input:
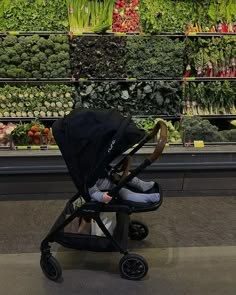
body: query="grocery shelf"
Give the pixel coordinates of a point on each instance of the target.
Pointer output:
(110, 33)
(208, 79)
(35, 81)
(209, 34)
(30, 33)
(165, 117)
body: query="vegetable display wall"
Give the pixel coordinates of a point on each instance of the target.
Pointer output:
(129, 56)
(33, 15)
(34, 57)
(143, 98)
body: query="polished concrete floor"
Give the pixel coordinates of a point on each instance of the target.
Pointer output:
(191, 250)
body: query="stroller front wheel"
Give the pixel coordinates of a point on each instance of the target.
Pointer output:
(51, 268)
(138, 230)
(133, 267)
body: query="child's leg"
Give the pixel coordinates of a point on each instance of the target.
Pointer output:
(128, 195)
(141, 185)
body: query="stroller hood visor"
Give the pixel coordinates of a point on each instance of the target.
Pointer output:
(91, 139)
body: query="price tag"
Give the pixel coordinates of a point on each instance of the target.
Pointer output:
(52, 147)
(198, 144)
(77, 33)
(14, 33)
(190, 79)
(35, 147)
(21, 147)
(131, 79)
(192, 34)
(119, 34)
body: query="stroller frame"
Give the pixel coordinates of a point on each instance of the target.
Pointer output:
(132, 266)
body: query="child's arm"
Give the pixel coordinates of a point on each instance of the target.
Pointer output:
(99, 196)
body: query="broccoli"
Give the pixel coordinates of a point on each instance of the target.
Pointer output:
(58, 38)
(43, 43)
(26, 65)
(11, 52)
(58, 47)
(9, 40)
(62, 56)
(48, 51)
(15, 60)
(15, 73)
(24, 56)
(2, 73)
(19, 48)
(52, 58)
(35, 39)
(35, 61)
(35, 49)
(4, 58)
(46, 74)
(41, 56)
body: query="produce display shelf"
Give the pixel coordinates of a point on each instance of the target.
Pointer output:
(121, 80)
(165, 117)
(30, 33)
(109, 33)
(209, 34)
(208, 79)
(35, 81)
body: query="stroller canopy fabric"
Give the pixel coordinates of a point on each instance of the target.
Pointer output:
(90, 140)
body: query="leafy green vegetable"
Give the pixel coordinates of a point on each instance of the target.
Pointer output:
(36, 15)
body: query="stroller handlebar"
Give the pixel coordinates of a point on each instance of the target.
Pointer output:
(161, 142)
(160, 126)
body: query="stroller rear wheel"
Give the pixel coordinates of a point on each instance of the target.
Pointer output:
(133, 267)
(51, 268)
(137, 230)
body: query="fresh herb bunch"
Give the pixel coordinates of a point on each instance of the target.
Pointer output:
(34, 57)
(36, 15)
(36, 101)
(143, 98)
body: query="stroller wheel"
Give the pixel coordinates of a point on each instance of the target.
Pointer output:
(51, 268)
(137, 230)
(133, 267)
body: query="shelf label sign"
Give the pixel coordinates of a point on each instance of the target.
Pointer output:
(199, 144)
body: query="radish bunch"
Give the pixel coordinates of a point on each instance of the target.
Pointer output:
(125, 16)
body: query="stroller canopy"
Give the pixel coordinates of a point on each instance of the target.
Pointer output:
(90, 140)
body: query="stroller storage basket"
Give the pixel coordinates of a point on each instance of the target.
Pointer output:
(91, 242)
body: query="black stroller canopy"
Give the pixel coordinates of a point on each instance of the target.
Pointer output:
(90, 140)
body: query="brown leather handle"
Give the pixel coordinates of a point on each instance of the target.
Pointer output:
(161, 142)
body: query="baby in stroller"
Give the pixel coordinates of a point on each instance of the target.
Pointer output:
(99, 192)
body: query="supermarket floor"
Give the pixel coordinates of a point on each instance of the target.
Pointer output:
(191, 250)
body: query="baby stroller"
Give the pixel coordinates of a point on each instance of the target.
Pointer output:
(90, 141)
